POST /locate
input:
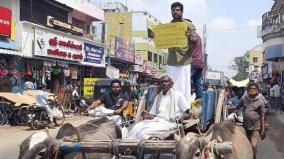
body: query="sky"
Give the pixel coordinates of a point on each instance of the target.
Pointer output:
(231, 24)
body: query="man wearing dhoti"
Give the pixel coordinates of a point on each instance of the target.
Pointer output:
(179, 59)
(169, 105)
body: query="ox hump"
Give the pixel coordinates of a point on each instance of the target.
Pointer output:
(36, 138)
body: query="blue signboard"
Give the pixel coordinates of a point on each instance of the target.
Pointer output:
(94, 54)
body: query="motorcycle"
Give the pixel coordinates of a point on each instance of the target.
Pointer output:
(80, 105)
(38, 118)
(236, 116)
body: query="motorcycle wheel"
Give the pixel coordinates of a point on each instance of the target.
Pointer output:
(36, 123)
(22, 117)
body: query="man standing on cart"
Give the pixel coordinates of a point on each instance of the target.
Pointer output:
(180, 59)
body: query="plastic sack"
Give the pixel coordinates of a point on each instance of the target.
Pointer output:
(100, 111)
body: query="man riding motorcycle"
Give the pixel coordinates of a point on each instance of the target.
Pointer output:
(42, 101)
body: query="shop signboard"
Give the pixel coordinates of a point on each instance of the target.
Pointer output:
(213, 75)
(138, 59)
(147, 66)
(124, 50)
(56, 24)
(255, 75)
(94, 54)
(53, 45)
(5, 21)
(89, 84)
(150, 68)
(154, 71)
(112, 72)
(137, 68)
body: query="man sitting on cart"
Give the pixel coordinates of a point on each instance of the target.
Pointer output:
(169, 106)
(115, 102)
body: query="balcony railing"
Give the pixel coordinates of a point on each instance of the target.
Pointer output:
(273, 21)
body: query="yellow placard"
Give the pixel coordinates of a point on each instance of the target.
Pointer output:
(89, 84)
(170, 35)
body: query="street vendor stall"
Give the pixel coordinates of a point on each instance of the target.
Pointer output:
(25, 98)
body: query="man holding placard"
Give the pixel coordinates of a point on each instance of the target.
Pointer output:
(179, 58)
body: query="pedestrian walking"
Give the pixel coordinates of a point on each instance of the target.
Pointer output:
(254, 109)
(276, 97)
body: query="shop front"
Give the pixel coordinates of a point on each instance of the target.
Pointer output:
(149, 74)
(60, 59)
(12, 72)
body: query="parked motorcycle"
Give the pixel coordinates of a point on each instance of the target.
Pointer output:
(236, 115)
(80, 105)
(38, 118)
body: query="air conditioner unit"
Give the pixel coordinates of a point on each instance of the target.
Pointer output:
(92, 30)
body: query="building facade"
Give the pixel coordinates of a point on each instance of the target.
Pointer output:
(57, 41)
(255, 58)
(142, 29)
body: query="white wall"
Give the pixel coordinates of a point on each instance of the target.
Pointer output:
(85, 7)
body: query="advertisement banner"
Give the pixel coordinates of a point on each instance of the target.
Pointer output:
(89, 84)
(57, 46)
(112, 72)
(138, 59)
(213, 75)
(5, 21)
(136, 68)
(170, 35)
(94, 54)
(124, 50)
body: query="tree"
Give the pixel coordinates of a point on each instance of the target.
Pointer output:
(241, 65)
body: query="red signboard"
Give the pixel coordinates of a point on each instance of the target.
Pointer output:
(5, 21)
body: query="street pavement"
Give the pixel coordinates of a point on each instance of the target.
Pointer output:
(12, 137)
(272, 147)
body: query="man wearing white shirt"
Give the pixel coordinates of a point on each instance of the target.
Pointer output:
(276, 96)
(169, 105)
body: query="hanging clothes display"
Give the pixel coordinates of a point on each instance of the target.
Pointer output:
(74, 73)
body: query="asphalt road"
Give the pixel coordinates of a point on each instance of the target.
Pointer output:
(270, 148)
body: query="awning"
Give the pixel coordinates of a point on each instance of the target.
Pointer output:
(235, 83)
(13, 52)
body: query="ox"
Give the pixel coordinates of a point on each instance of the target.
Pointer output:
(42, 144)
(193, 146)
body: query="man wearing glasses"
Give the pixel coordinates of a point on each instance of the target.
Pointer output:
(254, 109)
(115, 101)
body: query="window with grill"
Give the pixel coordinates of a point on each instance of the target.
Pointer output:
(160, 60)
(255, 59)
(156, 58)
(150, 56)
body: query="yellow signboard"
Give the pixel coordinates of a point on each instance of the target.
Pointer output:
(89, 84)
(170, 35)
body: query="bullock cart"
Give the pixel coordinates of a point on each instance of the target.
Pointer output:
(213, 111)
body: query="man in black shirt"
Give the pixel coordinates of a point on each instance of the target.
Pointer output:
(115, 100)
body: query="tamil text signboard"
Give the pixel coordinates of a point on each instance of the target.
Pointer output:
(94, 54)
(170, 35)
(5, 21)
(89, 84)
(57, 46)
